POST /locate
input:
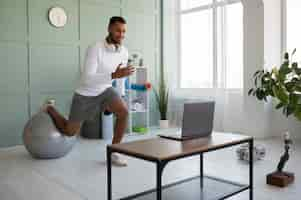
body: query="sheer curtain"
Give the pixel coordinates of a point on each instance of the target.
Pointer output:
(229, 113)
(209, 48)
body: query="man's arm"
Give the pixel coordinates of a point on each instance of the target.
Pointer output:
(123, 72)
(92, 77)
(90, 74)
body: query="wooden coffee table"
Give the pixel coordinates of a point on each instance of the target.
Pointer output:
(161, 151)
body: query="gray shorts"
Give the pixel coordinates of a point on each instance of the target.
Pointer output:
(86, 107)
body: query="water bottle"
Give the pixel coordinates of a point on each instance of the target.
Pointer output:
(107, 125)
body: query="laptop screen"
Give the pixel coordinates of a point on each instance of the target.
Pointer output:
(198, 119)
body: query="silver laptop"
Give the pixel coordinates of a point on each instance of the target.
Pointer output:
(197, 121)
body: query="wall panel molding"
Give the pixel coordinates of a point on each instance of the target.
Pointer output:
(39, 61)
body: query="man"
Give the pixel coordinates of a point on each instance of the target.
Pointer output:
(104, 62)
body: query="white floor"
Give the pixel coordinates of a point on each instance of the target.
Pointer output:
(82, 173)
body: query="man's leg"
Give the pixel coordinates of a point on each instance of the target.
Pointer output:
(119, 108)
(66, 127)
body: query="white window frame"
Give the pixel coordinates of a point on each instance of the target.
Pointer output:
(213, 5)
(283, 26)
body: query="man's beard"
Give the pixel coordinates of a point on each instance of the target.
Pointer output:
(111, 40)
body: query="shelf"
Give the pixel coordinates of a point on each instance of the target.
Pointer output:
(189, 189)
(138, 114)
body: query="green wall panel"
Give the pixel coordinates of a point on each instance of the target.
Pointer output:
(94, 20)
(105, 2)
(13, 20)
(39, 61)
(53, 68)
(62, 101)
(141, 30)
(13, 68)
(83, 49)
(142, 38)
(14, 115)
(144, 6)
(42, 30)
(150, 63)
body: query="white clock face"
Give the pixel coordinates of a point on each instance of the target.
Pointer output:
(57, 17)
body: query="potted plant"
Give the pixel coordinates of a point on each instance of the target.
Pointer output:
(284, 84)
(162, 100)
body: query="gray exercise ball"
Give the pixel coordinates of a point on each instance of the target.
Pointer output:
(43, 140)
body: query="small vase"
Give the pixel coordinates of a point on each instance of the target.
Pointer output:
(163, 124)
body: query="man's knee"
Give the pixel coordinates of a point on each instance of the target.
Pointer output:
(123, 112)
(119, 108)
(72, 128)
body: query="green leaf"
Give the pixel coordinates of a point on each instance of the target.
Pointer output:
(283, 84)
(284, 69)
(293, 99)
(294, 51)
(280, 77)
(256, 73)
(294, 65)
(260, 94)
(290, 86)
(250, 91)
(290, 110)
(265, 79)
(298, 71)
(298, 88)
(270, 92)
(265, 98)
(279, 105)
(156, 95)
(286, 56)
(161, 95)
(281, 94)
(284, 110)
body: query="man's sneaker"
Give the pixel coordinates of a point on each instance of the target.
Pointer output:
(118, 161)
(47, 103)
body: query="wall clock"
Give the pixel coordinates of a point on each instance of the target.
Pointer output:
(57, 17)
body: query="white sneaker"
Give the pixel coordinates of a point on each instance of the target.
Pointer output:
(118, 161)
(49, 102)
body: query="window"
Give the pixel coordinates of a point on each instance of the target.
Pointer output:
(188, 4)
(211, 44)
(293, 31)
(196, 71)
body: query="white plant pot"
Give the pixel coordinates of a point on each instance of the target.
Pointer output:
(163, 124)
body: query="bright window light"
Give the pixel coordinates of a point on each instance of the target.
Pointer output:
(234, 50)
(293, 34)
(188, 4)
(211, 45)
(196, 48)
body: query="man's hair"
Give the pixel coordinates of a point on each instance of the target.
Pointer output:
(116, 19)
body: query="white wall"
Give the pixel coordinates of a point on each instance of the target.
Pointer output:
(272, 52)
(278, 123)
(255, 116)
(262, 48)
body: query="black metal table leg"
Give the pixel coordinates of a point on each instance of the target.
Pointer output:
(251, 147)
(109, 173)
(160, 167)
(201, 171)
(159, 181)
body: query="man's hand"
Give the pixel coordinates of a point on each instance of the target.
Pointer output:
(123, 72)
